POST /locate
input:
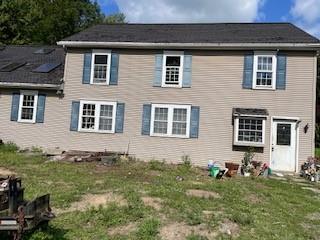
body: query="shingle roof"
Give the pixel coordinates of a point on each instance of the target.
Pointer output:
(196, 33)
(250, 112)
(25, 74)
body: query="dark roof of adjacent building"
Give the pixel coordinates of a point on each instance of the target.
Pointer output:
(23, 60)
(250, 112)
(195, 33)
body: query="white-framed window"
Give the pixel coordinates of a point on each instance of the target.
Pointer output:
(28, 106)
(170, 120)
(264, 70)
(97, 116)
(100, 67)
(172, 69)
(249, 131)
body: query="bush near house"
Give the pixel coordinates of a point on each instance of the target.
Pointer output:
(146, 201)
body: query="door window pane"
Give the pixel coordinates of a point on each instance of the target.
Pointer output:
(283, 134)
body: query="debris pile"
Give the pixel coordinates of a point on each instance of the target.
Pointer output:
(311, 169)
(107, 158)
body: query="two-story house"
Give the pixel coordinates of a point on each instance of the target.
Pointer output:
(163, 91)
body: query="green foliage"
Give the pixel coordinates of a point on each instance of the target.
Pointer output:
(317, 137)
(247, 159)
(186, 160)
(115, 18)
(44, 21)
(9, 147)
(148, 229)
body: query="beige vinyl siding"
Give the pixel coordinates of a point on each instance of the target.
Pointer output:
(216, 89)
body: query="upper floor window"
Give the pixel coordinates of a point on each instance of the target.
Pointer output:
(172, 69)
(170, 120)
(28, 106)
(264, 70)
(100, 68)
(97, 116)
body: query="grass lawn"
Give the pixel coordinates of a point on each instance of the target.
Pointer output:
(146, 201)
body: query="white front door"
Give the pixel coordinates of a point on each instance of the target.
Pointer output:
(283, 145)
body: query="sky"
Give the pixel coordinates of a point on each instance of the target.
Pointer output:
(303, 13)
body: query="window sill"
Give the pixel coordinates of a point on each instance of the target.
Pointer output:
(248, 144)
(171, 86)
(264, 88)
(26, 121)
(94, 131)
(169, 136)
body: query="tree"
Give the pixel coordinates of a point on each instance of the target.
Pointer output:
(45, 21)
(115, 18)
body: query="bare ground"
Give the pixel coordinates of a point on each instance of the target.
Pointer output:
(202, 193)
(6, 172)
(94, 200)
(152, 202)
(123, 229)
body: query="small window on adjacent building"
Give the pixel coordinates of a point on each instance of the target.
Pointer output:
(264, 72)
(97, 116)
(28, 106)
(170, 120)
(173, 69)
(100, 68)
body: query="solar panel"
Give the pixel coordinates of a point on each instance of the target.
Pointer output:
(44, 51)
(12, 66)
(47, 67)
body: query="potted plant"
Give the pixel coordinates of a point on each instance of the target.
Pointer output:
(246, 166)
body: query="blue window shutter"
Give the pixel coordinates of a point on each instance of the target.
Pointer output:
(194, 122)
(114, 69)
(74, 115)
(120, 118)
(15, 106)
(146, 119)
(158, 71)
(187, 71)
(40, 108)
(87, 68)
(281, 71)
(248, 71)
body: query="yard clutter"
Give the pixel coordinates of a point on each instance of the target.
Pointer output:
(18, 215)
(249, 167)
(107, 158)
(311, 169)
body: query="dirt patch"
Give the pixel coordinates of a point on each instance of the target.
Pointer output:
(152, 202)
(254, 199)
(230, 228)
(95, 200)
(202, 193)
(180, 231)
(313, 216)
(123, 230)
(315, 190)
(6, 172)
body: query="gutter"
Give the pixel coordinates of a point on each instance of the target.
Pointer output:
(148, 45)
(57, 87)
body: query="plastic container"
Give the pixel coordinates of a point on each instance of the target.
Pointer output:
(214, 171)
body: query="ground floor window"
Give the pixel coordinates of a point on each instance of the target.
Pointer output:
(249, 131)
(170, 120)
(97, 116)
(28, 106)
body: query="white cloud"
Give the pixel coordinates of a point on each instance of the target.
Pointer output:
(169, 11)
(306, 14)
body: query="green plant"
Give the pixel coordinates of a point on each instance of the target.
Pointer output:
(186, 160)
(247, 159)
(9, 147)
(317, 135)
(148, 229)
